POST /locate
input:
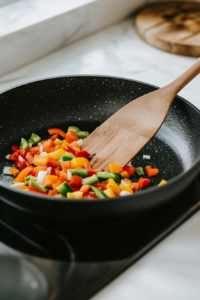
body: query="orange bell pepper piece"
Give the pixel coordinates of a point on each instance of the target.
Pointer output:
(49, 180)
(58, 131)
(54, 137)
(65, 148)
(66, 164)
(13, 156)
(135, 186)
(34, 150)
(143, 182)
(151, 172)
(76, 181)
(71, 136)
(23, 174)
(85, 189)
(52, 192)
(14, 171)
(53, 163)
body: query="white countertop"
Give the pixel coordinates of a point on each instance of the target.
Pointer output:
(172, 269)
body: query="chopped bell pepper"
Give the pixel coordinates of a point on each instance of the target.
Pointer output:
(115, 168)
(99, 193)
(57, 142)
(14, 171)
(75, 195)
(64, 188)
(52, 131)
(36, 170)
(65, 165)
(24, 144)
(53, 163)
(15, 148)
(139, 171)
(109, 192)
(91, 171)
(162, 182)
(71, 136)
(49, 180)
(114, 186)
(151, 172)
(54, 137)
(40, 161)
(56, 155)
(126, 187)
(13, 156)
(125, 174)
(85, 189)
(130, 170)
(76, 181)
(34, 139)
(32, 189)
(90, 196)
(143, 182)
(79, 162)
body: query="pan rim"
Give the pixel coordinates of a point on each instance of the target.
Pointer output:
(163, 188)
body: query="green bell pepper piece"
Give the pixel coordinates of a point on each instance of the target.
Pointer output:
(106, 175)
(64, 188)
(34, 139)
(24, 144)
(90, 180)
(139, 171)
(99, 193)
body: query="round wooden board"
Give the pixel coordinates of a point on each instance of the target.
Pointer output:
(171, 26)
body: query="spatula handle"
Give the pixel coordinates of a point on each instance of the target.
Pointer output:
(179, 83)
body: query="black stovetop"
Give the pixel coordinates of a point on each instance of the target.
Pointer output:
(44, 260)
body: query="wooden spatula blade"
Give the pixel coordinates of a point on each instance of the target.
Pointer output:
(116, 152)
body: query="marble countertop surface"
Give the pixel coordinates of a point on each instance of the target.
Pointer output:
(172, 269)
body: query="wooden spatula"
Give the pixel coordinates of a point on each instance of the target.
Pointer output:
(126, 132)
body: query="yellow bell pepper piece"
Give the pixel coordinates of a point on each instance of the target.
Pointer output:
(125, 174)
(115, 168)
(56, 155)
(14, 171)
(109, 192)
(22, 187)
(57, 142)
(114, 186)
(65, 143)
(162, 182)
(79, 162)
(40, 161)
(126, 187)
(75, 195)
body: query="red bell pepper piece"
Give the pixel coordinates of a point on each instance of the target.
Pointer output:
(143, 182)
(20, 162)
(76, 181)
(32, 189)
(15, 148)
(130, 170)
(101, 186)
(89, 196)
(13, 156)
(83, 153)
(52, 131)
(71, 136)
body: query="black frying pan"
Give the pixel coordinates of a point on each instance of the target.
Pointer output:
(87, 101)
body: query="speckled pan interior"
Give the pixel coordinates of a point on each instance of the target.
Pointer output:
(87, 101)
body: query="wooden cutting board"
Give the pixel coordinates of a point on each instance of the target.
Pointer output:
(171, 26)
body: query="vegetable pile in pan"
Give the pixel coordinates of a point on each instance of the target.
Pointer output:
(59, 167)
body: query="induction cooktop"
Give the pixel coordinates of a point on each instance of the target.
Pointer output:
(41, 260)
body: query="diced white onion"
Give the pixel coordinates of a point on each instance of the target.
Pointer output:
(80, 142)
(41, 176)
(20, 158)
(30, 145)
(125, 193)
(146, 157)
(41, 149)
(6, 171)
(7, 156)
(43, 154)
(49, 171)
(39, 144)
(129, 164)
(69, 175)
(17, 184)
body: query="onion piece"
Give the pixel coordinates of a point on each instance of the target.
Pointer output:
(125, 193)
(49, 171)
(80, 142)
(39, 144)
(6, 171)
(30, 145)
(17, 184)
(41, 176)
(129, 164)
(146, 156)
(41, 149)
(7, 156)
(43, 154)
(69, 175)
